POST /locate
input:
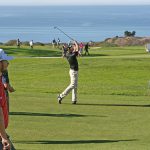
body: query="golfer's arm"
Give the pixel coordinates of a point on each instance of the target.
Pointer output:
(76, 46)
(2, 126)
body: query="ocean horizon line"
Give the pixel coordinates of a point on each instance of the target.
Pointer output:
(82, 5)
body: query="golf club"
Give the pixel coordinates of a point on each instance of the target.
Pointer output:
(64, 33)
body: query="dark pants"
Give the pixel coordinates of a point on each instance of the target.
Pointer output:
(87, 51)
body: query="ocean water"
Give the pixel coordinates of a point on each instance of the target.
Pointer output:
(83, 23)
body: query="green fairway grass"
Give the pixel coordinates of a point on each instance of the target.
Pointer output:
(113, 100)
(37, 51)
(48, 51)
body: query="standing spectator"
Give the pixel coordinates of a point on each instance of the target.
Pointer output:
(5, 141)
(86, 48)
(69, 43)
(3, 105)
(64, 50)
(3, 114)
(54, 43)
(5, 79)
(31, 44)
(18, 43)
(58, 42)
(81, 45)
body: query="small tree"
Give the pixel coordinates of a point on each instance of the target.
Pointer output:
(127, 33)
(133, 33)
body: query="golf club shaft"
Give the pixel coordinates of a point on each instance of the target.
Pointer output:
(64, 33)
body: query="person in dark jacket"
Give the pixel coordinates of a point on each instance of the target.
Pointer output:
(86, 48)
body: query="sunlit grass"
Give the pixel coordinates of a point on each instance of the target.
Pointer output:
(113, 102)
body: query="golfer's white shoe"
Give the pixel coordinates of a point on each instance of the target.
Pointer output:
(59, 99)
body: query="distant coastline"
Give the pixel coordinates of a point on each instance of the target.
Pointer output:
(114, 41)
(126, 41)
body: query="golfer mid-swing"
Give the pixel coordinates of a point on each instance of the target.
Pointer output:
(72, 59)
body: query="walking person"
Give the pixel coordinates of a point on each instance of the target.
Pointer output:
(73, 62)
(86, 48)
(31, 44)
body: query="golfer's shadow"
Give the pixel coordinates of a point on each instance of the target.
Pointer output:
(51, 115)
(45, 114)
(74, 142)
(115, 105)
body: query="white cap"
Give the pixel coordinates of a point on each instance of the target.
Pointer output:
(4, 56)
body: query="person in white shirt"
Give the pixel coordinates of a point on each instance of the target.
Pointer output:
(31, 44)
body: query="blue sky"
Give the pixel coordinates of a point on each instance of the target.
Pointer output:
(75, 2)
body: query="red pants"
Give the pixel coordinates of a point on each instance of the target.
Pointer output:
(3, 104)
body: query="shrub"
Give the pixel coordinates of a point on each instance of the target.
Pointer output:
(11, 43)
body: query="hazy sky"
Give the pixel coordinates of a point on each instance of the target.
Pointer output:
(75, 2)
